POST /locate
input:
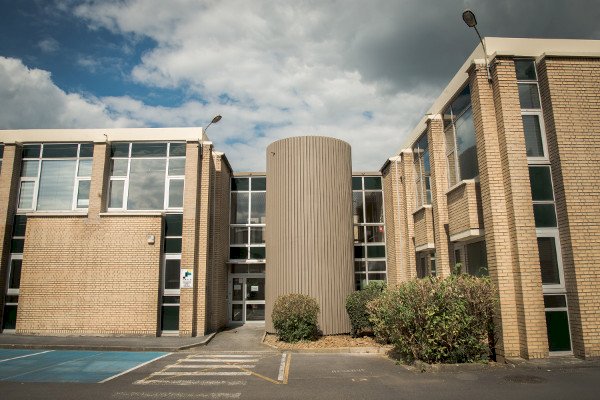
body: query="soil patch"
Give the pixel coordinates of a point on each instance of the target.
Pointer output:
(324, 342)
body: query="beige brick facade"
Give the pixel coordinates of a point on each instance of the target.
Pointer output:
(465, 213)
(423, 227)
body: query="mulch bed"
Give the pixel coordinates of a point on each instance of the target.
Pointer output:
(324, 342)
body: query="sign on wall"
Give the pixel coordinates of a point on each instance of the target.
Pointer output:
(187, 279)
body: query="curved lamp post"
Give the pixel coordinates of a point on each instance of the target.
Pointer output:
(469, 17)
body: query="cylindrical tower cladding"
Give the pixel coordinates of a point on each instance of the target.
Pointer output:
(309, 226)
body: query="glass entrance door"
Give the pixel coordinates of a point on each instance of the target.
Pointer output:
(247, 298)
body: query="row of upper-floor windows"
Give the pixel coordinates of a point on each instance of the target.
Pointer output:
(143, 176)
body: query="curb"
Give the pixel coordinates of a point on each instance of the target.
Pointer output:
(331, 350)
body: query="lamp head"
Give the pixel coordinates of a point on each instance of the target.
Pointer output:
(216, 119)
(469, 18)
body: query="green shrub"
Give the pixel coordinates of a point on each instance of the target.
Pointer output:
(437, 320)
(356, 306)
(295, 317)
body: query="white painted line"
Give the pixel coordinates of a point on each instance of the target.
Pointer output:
(134, 368)
(223, 356)
(212, 360)
(211, 366)
(183, 382)
(26, 355)
(174, 395)
(282, 367)
(183, 373)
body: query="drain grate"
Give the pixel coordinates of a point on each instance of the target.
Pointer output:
(524, 379)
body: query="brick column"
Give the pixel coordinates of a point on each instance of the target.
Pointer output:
(9, 189)
(189, 241)
(408, 193)
(99, 184)
(523, 239)
(439, 186)
(394, 226)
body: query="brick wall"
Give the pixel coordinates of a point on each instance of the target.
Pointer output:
(464, 207)
(570, 92)
(408, 194)
(394, 235)
(423, 226)
(84, 277)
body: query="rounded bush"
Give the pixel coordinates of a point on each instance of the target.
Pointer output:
(356, 306)
(295, 317)
(437, 320)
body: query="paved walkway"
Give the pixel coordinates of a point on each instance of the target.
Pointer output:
(242, 338)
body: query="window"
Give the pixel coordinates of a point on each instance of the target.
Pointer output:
(147, 176)
(1, 155)
(55, 177)
(542, 194)
(247, 219)
(369, 230)
(459, 132)
(477, 259)
(422, 171)
(557, 322)
(15, 264)
(173, 230)
(531, 110)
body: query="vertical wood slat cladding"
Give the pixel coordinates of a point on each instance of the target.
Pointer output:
(309, 226)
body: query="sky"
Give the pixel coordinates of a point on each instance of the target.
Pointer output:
(364, 71)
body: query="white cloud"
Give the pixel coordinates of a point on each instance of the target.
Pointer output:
(31, 100)
(49, 45)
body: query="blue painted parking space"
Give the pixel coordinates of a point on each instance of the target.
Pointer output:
(70, 366)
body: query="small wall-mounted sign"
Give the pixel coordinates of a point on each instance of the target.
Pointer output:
(254, 288)
(187, 279)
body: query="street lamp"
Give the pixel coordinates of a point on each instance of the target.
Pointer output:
(469, 17)
(216, 119)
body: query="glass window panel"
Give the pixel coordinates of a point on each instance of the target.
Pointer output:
(239, 269)
(9, 320)
(374, 207)
(30, 169)
(372, 183)
(452, 178)
(376, 251)
(176, 166)
(237, 312)
(116, 194)
(359, 252)
(528, 96)
(544, 215)
(255, 312)
(118, 167)
(238, 253)
(533, 136)
(357, 207)
(11, 299)
(169, 318)
(256, 268)
(239, 208)
(541, 183)
(376, 277)
(119, 150)
(57, 181)
(240, 184)
(83, 194)
(359, 234)
(141, 149)
(462, 101)
(173, 245)
(172, 271)
(173, 224)
(238, 289)
(176, 193)
(477, 259)
(59, 150)
(360, 281)
(257, 253)
(257, 235)
(20, 223)
(14, 280)
(557, 325)
(238, 235)
(525, 70)
(356, 183)
(467, 149)
(359, 266)
(548, 261)
(26, 195)
(259, 183)
(171, 299)
(255, 289)
(1, 150)
(17, 245)
(418, 193)
(31, 150)
(146, 184)
(555, 301)
(85, 168)
(375, 234)
(376, 266)
(86, 150)
(257, 212)
(177, 150)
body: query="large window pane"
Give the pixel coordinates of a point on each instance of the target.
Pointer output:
(240, 184)
(31, 150)
(467, 149)
(177, 150)
(175, 193)
(557, 325)
(60, 151)
(356, 183)
(30, 169)
(172, 271)
(14, 281)
(238, 235)
(26, 195)
(146, 184)
(259, 184)
(477, 259)
(373, 207)
(119, 150)
(10, 317)
(142, 149)
(528, 96)
(525, 70)
(177, 166)
(83, 194)
(85, 168)
(544, 215)
(372, 183)
(257, 213)
(541, 183)
(86, 150)
(239, 208)
(548, 261)
(375, 251)
(375, 233)
(170, 318)
(255, 312)
(173, 224)
(238, 253)
(19, 225)
(118, 167)
(357, 207)
(533, 136)
(56, 185)
(257, 235)
(173, 245)
(116, 194)
(257, 253)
